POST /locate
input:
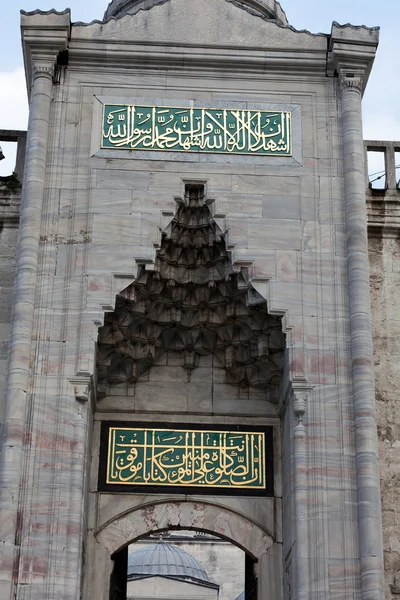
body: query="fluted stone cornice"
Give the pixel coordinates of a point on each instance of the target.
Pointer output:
(44, 35)
(185, 34)
(352, 51)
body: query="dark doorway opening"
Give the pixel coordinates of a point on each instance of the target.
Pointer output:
(118, 580)
(180, 565)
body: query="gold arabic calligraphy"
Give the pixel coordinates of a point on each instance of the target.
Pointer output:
(197, 130)
(186, 458)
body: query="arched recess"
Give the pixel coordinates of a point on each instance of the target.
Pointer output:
(198, 515)
(192, 302)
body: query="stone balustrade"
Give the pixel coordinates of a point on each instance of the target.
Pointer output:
(389, 150)
(383, 203)
(10, 135)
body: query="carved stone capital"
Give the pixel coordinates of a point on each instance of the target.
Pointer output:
(81, 386)
(351, 82)
(351, 55)
(300, 395)
(44, 36)
(42, 69)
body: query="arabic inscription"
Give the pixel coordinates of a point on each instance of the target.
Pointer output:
(168, 457)
(222, 131)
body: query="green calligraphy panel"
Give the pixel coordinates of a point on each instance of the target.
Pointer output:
(222, 131)
(185, 458)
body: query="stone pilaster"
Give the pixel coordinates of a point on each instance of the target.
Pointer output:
(353, 52)
(42, 58)
(300, 491)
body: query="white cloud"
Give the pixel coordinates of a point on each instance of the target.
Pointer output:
(13, 112)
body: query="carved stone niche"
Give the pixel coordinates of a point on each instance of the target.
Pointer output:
(192, 304)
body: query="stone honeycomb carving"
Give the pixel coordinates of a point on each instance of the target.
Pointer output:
(193, 304)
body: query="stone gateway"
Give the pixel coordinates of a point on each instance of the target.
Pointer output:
(191, 312)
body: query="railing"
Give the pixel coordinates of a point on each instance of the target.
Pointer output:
(10, 186)
(383, 190)
(391, 187)
(9, 135)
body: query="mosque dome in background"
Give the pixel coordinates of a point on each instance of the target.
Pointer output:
(269, 9)
(165, 560)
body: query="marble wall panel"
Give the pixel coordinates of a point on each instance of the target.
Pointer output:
(8, 248)
(384, 262)
(281, 207)
(126, 229)
(105, 214)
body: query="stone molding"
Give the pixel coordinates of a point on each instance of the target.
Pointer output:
(42, 70)
(351, 54)
(300, 400)
(295, 160)
(138, 37)
(198, 515)
(44, 36)
(255, 62)
(352, 83)
(82, 387)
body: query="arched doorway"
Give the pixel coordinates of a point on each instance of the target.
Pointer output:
(191, 343)
(187, 565)
(109, 555)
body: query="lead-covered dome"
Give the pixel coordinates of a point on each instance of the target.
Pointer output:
(165, 560)
(269, 9)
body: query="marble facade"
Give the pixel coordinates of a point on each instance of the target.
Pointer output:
(295, 228)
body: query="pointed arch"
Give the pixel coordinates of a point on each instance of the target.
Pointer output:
(203, 516)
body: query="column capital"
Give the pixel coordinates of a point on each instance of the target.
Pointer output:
(352, 52)
(351, 81)
(300, 400)
(42, 69)
(44, 36)
(82, 385)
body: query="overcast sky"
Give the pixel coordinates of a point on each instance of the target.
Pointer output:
(381, 101)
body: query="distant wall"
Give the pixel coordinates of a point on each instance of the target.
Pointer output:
(9, 219)
(385, 297)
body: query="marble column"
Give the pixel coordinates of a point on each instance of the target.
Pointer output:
(368, 484)
(301, 504)
(17, 397)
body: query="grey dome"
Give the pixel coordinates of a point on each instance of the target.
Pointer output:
(167, 560)
(241, 596)
(269, 9)
(119, 8)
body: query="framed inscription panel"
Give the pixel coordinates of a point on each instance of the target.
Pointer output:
(212, 130)
(167, 458)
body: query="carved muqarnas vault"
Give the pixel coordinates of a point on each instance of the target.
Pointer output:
(193, 304)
